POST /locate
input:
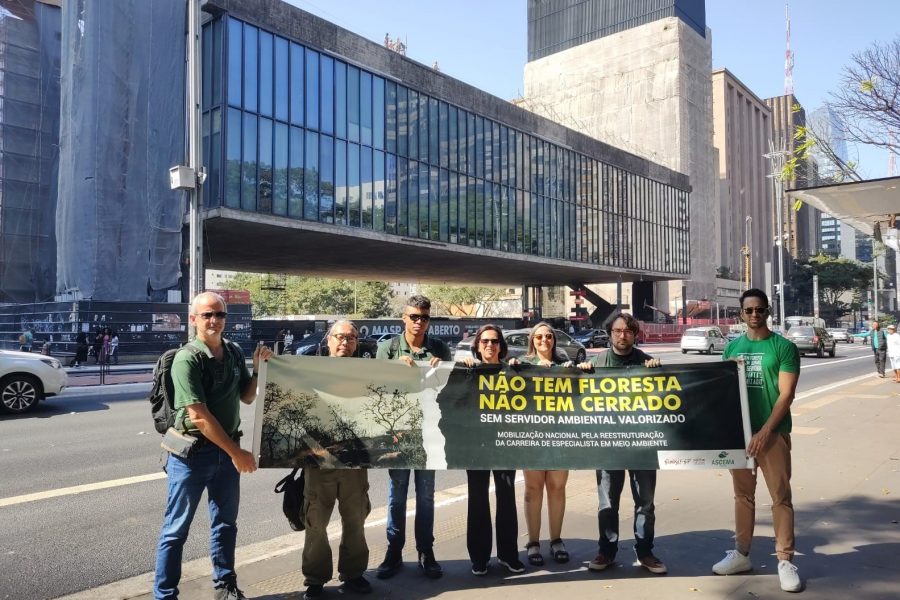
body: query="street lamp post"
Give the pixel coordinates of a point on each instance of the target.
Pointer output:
(776, 162)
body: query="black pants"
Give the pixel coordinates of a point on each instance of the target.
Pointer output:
(880, 356)
(478, 530)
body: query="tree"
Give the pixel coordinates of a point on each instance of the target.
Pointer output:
(462, 300)
(868, 98)
(315, 295)
(837, 277)
(725, 272)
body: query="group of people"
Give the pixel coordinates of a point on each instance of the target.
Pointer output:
(103, 346)
(885, 346)
(210, 410)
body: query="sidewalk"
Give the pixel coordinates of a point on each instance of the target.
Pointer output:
(846, 486)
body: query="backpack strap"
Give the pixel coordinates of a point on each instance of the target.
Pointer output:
(395, 347)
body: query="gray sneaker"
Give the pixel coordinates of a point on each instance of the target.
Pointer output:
(230, 592)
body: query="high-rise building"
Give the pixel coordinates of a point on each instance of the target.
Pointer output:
(742, 130)
(829, 153)
(29, 148)
(802, 226)
(636, 75)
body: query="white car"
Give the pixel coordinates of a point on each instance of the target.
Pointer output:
(26, 379)
(706, 340)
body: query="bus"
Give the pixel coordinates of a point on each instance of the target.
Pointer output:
(810, 321)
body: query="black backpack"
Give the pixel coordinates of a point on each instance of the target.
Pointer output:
(293, 488)
(162, 394)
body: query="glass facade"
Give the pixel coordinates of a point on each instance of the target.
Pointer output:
(309, 136)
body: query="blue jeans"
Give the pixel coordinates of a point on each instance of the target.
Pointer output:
(209, 468)
(643, 489)
(396, 524)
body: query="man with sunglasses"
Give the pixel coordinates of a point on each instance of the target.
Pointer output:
(414, 344)
(623, 331)
(211, 379)
(771, 368)
(350, 489)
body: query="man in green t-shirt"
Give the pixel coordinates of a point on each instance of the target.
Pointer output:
(210, 380)
(772, 368)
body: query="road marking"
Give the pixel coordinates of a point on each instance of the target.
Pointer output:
(253, 553)
(830, 386)
(79, 489)
(831, 362)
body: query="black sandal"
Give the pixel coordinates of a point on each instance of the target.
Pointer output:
(558, 549)
(535, 558)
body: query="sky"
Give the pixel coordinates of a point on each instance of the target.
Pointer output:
(484, 42)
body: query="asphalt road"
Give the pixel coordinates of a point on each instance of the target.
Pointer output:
(52, 546)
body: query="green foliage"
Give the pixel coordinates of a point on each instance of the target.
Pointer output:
(460, 300)
(315, 296)
(837, 277)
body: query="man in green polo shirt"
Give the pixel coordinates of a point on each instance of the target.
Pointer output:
(211, 380)
(772, 368)
(412, 345)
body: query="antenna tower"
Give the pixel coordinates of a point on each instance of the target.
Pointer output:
(788, 56)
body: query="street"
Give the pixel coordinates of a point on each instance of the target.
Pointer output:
(59, 541)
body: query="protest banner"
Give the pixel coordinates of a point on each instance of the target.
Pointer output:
(375, 414)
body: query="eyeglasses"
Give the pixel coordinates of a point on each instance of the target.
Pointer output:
(543, 336)
(206, 316)
(486, 341)
(622, 332)
(416, 317)
(760, 310)
(345, 337)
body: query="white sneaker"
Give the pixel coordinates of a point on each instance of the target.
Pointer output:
(733, 563)
(787, 574)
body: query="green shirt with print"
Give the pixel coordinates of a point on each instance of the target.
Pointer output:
(217, 384)
(763, 361)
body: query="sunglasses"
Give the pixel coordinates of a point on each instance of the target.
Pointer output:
(343, 337)
(760, 310)
(543, 336)
(415, 317)
(206, 316)
(494, 341)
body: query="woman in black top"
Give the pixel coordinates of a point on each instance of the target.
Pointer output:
(489, 347)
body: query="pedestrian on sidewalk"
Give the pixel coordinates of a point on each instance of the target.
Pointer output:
(349, 488)
(878, 341)
(772, 368)
(893, 350)
(489, 347)
(114, 348)
(542, 351)
(413, 345)
(623, 330)
(208, 408)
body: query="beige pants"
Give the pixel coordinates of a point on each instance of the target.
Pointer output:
(775, 464)
(349, 487)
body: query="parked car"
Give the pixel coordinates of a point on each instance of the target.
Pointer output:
(592, 338)
(26, 379)
(517, 341)
(315, 345)
(706, 340)
(841, 335)
(812, 339)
